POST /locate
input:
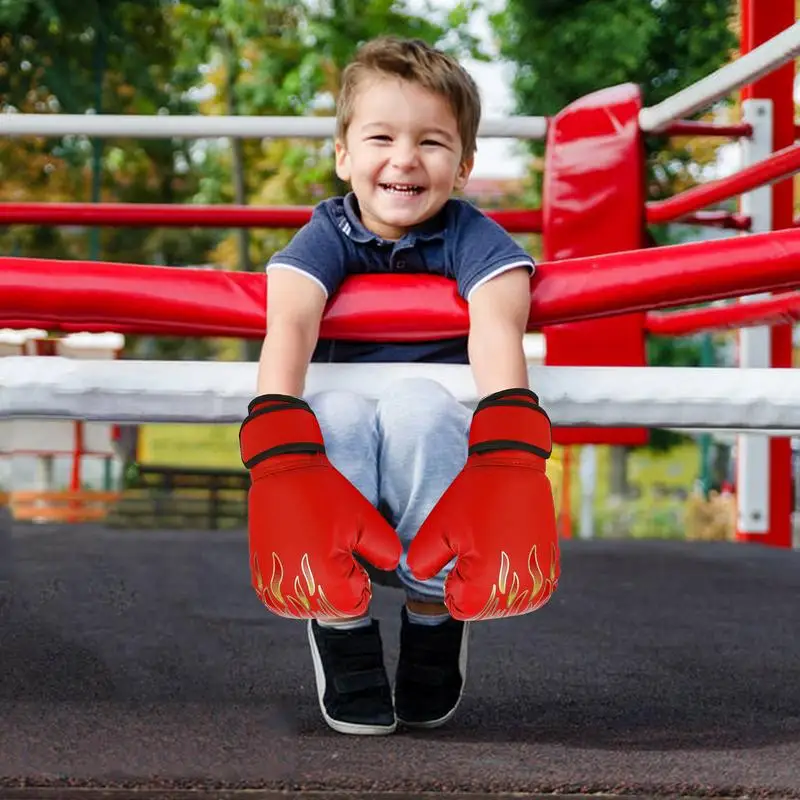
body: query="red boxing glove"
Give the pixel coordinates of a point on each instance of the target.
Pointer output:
(497, 517)
(306, 519)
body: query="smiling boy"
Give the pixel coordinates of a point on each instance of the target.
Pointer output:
(407, 122)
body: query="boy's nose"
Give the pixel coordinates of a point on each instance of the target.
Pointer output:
(404, 156)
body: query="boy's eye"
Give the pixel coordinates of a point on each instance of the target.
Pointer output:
(432, 142)
(381, 138)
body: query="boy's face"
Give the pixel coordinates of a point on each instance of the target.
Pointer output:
(401, 155)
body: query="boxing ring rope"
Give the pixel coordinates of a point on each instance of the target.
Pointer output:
(531, 128)
(780, 165)
(729, 220)
(218, 392)
(779, 310)
(72, 296)
(164, 126)
(164, 215)
(686, 127)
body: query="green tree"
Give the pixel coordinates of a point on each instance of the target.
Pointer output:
(74, 56)
(109, 56)
(565, 49)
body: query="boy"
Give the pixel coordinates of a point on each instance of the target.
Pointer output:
(407, 122)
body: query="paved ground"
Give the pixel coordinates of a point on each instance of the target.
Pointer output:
(144, 659)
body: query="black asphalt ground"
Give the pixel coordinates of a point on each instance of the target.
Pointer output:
(143, 659)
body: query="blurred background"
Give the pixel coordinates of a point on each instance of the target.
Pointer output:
(280, 57)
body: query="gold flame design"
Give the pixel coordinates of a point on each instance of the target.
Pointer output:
(506, 599)
(307, 599)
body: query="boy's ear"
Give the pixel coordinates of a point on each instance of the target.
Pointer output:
(342, 161)
(464, 171)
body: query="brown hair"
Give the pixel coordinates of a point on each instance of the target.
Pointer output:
(416, 61)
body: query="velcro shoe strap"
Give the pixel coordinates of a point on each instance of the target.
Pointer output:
(514, 422)
(360, 681)
(279, 429)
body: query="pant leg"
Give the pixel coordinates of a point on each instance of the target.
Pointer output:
(350, 433)
(423, 432)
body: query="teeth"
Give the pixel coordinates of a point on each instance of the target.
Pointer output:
(394, 187)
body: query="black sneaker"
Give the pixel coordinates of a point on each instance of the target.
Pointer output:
(431, 672)
(353, 689)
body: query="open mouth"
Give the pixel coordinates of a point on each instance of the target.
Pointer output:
(401, 188)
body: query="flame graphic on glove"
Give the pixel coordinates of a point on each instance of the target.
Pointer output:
(307, 600)
(506, 599)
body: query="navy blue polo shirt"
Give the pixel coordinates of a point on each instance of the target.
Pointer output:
(460, 243)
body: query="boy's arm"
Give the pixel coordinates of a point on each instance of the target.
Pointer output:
(294, 311)
(498, 318)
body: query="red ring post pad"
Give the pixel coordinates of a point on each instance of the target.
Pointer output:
(276, 427)
(594, 203)
(510, 421)
(68, 296)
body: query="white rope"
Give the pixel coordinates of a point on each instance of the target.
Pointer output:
(184, 391)
(162, 126)
(743, 71)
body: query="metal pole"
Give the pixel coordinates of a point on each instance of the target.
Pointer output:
(164, 126)
(707, 359)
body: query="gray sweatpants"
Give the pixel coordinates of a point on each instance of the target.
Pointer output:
(401, 452)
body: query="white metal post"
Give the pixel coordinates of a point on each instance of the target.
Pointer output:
(753, 478)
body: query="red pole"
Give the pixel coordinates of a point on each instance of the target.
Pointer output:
(166, 215)
(77, 458)
(780, 309)
(777, 166)
(760, 22)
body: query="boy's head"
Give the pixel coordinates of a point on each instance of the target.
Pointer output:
(406, 127)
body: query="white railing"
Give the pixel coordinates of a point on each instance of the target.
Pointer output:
(217, 392)
(210, 127)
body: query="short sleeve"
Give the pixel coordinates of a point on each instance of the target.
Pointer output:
(318, 250)
(481, 249)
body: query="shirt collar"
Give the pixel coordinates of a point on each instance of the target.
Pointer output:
(351, 225)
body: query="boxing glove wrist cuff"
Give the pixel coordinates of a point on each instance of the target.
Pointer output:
(511, 420)
(280, 400)
(278, 425)
(506, 396)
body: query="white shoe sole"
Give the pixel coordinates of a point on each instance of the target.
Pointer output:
(352, 728)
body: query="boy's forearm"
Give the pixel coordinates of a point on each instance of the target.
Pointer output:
(285, 356)
(497, 358)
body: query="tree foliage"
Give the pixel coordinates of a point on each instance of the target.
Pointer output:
(565, 49)
(74, 57)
